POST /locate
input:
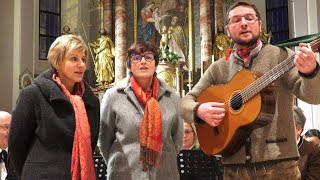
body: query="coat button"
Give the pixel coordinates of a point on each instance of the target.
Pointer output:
(248, 139)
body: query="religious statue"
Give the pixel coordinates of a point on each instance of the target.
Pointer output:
(103, 64)
(177, 42)
(66, 30)
(265, 37)
(165, 38)
(221, 43)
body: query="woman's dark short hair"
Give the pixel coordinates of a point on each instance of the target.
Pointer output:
(242, 3)
(313, 132)
(139, 48)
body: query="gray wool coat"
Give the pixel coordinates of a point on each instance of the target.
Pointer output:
(277, 140)
(121, 116)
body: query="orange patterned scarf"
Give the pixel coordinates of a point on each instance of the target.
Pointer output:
(82, 167)
(151, 126)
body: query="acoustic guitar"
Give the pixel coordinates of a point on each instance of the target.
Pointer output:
(249, 102)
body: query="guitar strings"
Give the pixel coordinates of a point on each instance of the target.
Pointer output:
(287, 65)
(251, 90)
(276, 72)
(248, 92)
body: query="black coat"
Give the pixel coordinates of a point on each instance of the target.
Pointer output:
(309, 161)
(42, 129)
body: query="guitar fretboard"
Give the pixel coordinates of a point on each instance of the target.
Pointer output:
(283, 67)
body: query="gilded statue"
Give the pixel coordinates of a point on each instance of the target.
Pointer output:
(221, 43)
(66, 30)
(265, 37)
(177, 42)
(103, 63)
(165, 37)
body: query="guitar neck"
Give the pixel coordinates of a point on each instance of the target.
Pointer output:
(254, 88)
(283, 67)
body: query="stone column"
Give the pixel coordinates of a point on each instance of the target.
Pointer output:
(120, 40)
(218, 14)
(205, 33)
(191, 59)
(107, 16)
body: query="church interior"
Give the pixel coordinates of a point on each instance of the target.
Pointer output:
(29, 27)
(25, 40)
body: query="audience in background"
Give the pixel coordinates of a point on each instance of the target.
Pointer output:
(309, 160)
(5, 120)
(313, 135)
(190, 137)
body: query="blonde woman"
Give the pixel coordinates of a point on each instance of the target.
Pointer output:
(190, 137)
(55, 123)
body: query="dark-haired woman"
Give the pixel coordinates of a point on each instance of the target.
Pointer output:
(141, 130)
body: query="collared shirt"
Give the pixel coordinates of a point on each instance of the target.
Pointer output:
(253, 53)
(299, 142)
(3, 170)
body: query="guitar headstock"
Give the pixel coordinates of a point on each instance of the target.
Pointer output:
(315, 44)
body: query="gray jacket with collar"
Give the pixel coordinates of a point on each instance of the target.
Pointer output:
(121, 116)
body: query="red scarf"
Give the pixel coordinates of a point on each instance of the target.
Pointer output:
(82, 167)
(151, 125)
(242, 52)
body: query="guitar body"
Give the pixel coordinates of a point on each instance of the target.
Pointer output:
(240, 118)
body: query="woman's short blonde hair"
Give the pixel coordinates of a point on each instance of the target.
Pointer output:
(62, 45)
(196, 144)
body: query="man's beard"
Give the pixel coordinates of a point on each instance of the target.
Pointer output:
(252, 42)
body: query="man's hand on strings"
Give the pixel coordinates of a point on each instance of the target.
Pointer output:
(305, 59)
(211, 112)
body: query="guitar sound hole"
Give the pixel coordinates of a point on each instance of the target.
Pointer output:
(236, 102)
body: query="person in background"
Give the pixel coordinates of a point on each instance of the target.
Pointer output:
(55, 123)
(190, 137)
(313, 135)
(5, 120)
(309, 160)
(141, 130)
(268, 152)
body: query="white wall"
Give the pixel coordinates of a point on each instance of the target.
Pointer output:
(6, 54)
(305, 21)
(261, 5)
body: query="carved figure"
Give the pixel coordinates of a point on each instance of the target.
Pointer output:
(221, 43)
(265, 37)
(178, 42)
(165, 38)
(103, 63)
